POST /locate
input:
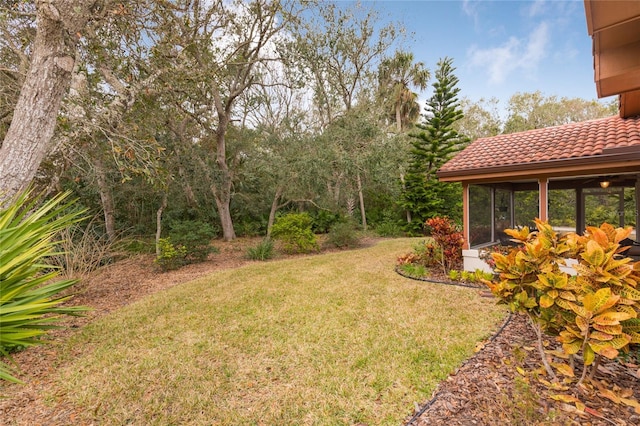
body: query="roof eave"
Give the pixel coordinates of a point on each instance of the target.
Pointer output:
(559, 167)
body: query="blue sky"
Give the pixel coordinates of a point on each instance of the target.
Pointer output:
(502, 47)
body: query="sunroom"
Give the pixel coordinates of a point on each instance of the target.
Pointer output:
(573, 176)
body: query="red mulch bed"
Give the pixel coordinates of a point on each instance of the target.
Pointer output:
(486, 390)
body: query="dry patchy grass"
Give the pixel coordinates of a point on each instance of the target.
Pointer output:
(329, 339)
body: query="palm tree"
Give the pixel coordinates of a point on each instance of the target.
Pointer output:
(396, 77)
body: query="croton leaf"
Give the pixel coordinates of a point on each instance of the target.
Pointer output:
(569, 333)
(628, 308)
(609, 329)
(546, 301)
(593, 254)
(593, 302)
(603, 348)
(568, 295)
(634, 336)
(598, 236)
(620, 342)
(629, 292)
(572, 347)
(622, 233)
(583, 324)
(588, 355)
(599, 335)
(564, 369)
(500, 261)
(611, 318)
(631, 325)
(579, 310)
(617, 264)
(518, 234)
(566, 305)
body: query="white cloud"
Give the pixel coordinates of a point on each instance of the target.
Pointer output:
(514, 56)
(470, 9)
(537, 7)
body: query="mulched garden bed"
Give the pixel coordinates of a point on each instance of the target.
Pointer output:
(501, 385)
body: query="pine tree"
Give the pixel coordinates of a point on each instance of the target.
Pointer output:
(434, 143)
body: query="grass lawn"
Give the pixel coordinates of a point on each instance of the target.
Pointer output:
(332, 339)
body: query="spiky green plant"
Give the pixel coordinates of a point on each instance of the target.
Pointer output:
(29, 295)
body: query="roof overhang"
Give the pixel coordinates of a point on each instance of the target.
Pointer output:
(620, 161)
(614, 26)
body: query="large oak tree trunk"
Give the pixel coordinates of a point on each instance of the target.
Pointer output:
(27, 141)
(224, 211)
(222, 191)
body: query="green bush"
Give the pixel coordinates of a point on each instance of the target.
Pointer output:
(250, 227)
(428, 252)
(29, 294)
(389, 225)
(263, 251)
(343, 235)
(389, 228)
(323, 220)
(294, 231)
(195, 236)
(134, 245)
(170, 256)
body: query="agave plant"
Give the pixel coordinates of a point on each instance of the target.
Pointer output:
(29, 294)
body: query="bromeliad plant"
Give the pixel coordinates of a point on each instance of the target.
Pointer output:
(29, 297)
(594, 313)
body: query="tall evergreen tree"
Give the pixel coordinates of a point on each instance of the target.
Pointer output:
(435, 142)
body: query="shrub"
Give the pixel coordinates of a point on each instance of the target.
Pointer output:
(427, 254)
(195, 237)
(29, 294)
(323, 220)
(170, 256)
(263, 251)
(135, 246)
(84, 250)
(389, 226)
(593, 314)
(251, 227)
(294, 231)
(343, 235)
(449, 239)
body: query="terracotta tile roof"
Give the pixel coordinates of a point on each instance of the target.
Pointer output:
(538, 147)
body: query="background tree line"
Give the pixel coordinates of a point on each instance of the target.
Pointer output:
(230, 113)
